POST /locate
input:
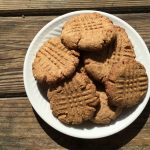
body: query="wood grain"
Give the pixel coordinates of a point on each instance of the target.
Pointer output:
(37, 7)
(22, 128)
(16, 34)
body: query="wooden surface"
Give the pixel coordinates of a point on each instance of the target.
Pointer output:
(37, 7)
(20, 126)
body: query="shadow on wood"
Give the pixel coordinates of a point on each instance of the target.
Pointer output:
(112, 142)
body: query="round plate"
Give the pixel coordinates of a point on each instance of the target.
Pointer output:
(42, 106)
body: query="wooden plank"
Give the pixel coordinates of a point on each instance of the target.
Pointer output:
(20, 129)
(29, 131)
(15, 35)
(37, 7)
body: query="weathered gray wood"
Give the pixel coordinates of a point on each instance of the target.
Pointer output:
(21, 128)
(16, 34)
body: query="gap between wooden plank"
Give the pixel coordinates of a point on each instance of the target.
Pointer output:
(47, 12)
(10, 95)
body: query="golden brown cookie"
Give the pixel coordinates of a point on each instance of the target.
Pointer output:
(88, 32)
(54, 62)
(98, 65)
(127, 83)
(105, 112)
(74, 101)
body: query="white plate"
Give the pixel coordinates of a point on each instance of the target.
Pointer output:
(41, 105)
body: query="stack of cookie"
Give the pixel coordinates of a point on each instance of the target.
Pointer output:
(91, 71)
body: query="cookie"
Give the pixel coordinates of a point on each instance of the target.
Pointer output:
(88, 32)
(127, 83)
(105, 112)
(54, 62)
(74, 101)
(98, 65)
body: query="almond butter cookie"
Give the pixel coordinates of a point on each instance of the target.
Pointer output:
(127, 83)
(88, 32)
(74, 101)
(98, 65)
(54, 62)
(105, 113)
